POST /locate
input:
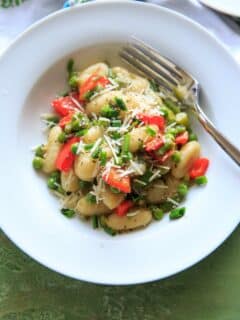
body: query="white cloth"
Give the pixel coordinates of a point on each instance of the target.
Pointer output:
(15, 20)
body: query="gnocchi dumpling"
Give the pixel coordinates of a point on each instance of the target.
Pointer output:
(87, 209)
(69, 181)
(100, 69)
(52, 150)
(86, 168)
(140, 217)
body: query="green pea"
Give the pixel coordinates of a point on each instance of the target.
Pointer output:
(182, 118)
(176, 156)
(56, 175)
(103, 158)
(52, 184)
(157, 213)
(39, 152)
(62, 137)
(201, 181)
(177, 213)
(91, 198)
(38, 163)
(182, 189)
(73, 81)
(193, 137)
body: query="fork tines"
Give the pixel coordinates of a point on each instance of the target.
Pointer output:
(151, 63)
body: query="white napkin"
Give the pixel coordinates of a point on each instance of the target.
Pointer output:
(15, 20)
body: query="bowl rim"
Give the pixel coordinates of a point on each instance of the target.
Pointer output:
(43, 261)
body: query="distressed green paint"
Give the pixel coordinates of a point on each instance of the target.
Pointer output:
(207, 291)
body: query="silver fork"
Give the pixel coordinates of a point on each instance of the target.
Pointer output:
(169, 76)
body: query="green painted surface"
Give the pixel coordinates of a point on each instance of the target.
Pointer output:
(207, 291)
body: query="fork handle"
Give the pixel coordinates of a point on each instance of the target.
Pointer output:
(224, 143)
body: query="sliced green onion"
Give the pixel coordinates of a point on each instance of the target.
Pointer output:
(81, 132)
(74, 148)
(91, 198)
(115, 135)
(177, 213)
(116, 123)
(95, 223)
(201, 181)
(103, 158)
(182, 189)
(120, 103)
(176, 156)
(157, 213)
(70, 66)
(126, 143)
(51, 183)
(150, 131)
(56, 175)
(69, 213)
(73, 81)
(62, 137)
(95, 153)
(37, 163)
(89, 146)
(109, 230)
(87, 96)
(75, 124)
(180, 129)
(109, 112)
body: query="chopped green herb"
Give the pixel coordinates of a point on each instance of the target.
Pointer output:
(69, 213)
(84, 184)
(75, 124)
(150, 131)
(91, 198)
(52, 118)
(126, 143)
(37, 163)
(180, 129)
(153, 85)
(166, 206)
(103, 158)
(157, 213)
(120, 103)
(62, 137)
(176, 156)
(177, 213)
(95, 223)
(39, 152)
(182, 189)
(115, 190)
(201, 181)
(166, 147)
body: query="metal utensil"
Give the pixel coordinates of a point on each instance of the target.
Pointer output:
(169, 76)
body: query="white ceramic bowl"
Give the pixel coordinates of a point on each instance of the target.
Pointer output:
(33, 70)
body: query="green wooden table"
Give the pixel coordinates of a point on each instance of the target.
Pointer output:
(207, 291)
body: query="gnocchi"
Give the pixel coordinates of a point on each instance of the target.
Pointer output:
(120, 152)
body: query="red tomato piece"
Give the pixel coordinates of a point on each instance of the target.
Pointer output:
(182, 138)
(199, 168)
(152, 119)
(65, 157)
(154, 144)
(65, 120)
(63, 105)
(114, 179)
(124, 207)
(90, 84)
